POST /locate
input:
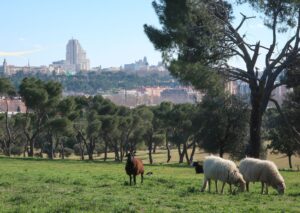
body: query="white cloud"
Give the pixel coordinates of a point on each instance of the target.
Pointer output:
(19, 53)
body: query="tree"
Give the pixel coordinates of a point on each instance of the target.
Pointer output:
(283, 138)
(198, 37)
(161, 122)
(224, 122)
(40, 98)
(180, 119)
(7, 90)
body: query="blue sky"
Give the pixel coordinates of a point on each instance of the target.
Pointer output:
(111, 31)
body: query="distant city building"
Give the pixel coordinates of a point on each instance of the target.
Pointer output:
(140, 65)
(15, 106)
(76, 57)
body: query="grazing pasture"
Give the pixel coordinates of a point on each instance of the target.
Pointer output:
(31, 185)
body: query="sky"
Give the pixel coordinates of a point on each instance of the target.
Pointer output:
(110, 31)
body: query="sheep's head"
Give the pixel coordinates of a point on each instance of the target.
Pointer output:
(280, 187)
(239, 180)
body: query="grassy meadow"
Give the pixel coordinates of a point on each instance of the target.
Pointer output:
(38, 185)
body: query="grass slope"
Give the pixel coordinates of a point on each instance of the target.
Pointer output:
(74, 186)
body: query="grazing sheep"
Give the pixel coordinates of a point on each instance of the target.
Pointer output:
(265, 171)
(217, 168)
(198, 167)
(134, 167)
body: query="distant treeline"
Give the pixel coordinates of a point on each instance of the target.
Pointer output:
(90, 82)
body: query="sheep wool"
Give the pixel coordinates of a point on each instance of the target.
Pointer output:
(216, 168)
(264, 171)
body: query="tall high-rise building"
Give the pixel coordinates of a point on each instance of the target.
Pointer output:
(76, 56)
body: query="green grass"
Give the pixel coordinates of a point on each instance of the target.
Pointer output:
(74, 186)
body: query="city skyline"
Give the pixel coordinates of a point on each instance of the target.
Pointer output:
(111, 32)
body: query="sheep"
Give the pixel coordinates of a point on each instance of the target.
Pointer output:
(198, 167)
(265, 171)
(134, 167)
(217, 168)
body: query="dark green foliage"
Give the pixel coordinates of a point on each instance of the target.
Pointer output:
(224, 126)
(283, 138)
(91, 82)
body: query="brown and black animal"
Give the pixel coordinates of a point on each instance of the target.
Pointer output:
(134, 167)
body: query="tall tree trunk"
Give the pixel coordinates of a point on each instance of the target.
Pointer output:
(290, 161)
(31, 147)
(255, 127)
(185, 151)
(154, 148)
(150, 152)
(117, 156)
(168, 151)
(105, 149)
(180, 153)
(81, 150)
(193, 152)
(62, 150)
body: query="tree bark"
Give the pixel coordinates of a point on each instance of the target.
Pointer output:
(181, 154)
(168, 150)
(255, 128)
(105, 149)
(290, 161)
(185, 151)
(193, 152)
(150, 152)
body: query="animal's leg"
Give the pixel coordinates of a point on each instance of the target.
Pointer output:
(204, 185)
(209, 185)
(247, 186)
(222, 187)
(134, 179)
(142, 177)
(262, 187)
(230, 189)
(216, 183)
(267, 189)
(130, 180)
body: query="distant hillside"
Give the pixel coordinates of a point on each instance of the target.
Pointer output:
(92, 82)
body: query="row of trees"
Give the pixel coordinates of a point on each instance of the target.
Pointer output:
(87, 126)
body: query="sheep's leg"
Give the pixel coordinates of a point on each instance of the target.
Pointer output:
(204, 185)
(209, 185)
(247, 186)
(142, 177)
(216, 182)
(130, 180)
(267, 189)
(222, 189)
(134, 179)
(262, 188)
(230, 189)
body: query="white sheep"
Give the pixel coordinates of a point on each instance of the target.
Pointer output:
(217, 168)
(265, 171)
